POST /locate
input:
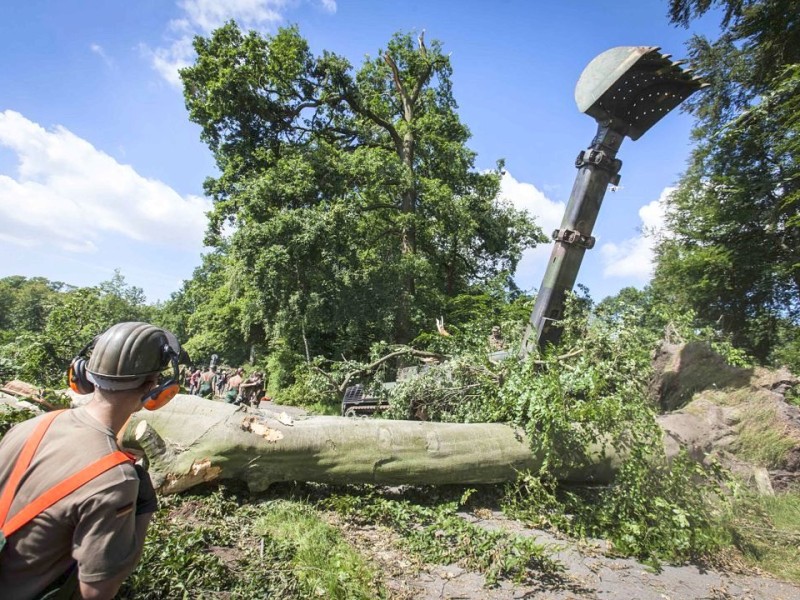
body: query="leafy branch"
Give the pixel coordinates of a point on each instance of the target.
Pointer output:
(373, 366)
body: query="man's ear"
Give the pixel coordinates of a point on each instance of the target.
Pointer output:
(148, 385)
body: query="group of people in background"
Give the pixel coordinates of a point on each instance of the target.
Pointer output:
(226, 384)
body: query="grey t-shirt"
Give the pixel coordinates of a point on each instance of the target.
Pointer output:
(95, 525)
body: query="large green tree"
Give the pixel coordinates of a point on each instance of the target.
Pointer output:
(209, 314)
(349, 197)
(26, 302)
(60, 320)
(732, 250)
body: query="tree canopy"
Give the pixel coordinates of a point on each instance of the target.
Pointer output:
(347, 207)
(732, 248)
(46, 323)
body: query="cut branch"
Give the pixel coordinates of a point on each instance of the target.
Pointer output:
(374, 365)
(561, 357)
(341, 387)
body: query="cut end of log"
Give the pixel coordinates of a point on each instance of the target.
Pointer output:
(140, 430)
(152, 443)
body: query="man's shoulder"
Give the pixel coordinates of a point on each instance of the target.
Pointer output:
(76, 440)
(20, 432)
(118, 486)
(28, 424)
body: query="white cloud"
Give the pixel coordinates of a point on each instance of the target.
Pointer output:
(546, 213)
(68, 195)
(169, 60)
(525, 196)
(207, 15)
(634, 257)
(98, 49)
(201, 17)
(16, 240)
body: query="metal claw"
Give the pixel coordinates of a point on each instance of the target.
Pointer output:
(623, 84)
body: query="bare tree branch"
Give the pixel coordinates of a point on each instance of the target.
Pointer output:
(560, 357)
(401, 90)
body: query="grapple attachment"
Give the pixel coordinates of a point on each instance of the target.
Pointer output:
(633, 87)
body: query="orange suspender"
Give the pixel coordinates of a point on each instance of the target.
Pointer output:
(55, 493)
(23, 462)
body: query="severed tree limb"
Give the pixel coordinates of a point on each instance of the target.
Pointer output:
(331, 381)
(207, 441)
(341, 387)
(25, 391)
(561, 357)
(153, 444)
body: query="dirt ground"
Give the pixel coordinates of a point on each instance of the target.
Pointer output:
(588, 573)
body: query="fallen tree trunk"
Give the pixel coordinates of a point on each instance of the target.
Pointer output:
(193, 440)
(28, 393)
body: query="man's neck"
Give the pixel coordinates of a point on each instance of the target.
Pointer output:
(112, 414)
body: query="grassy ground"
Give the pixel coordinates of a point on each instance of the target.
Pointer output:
(763, 438)
(220, 543)
(321, 561)
(766, 530)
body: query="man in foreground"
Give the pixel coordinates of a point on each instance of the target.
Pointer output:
(91, 539)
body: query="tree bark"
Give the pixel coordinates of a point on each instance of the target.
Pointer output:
(192, 440)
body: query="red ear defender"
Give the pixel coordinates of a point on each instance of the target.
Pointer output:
(76, 377)
(165, 391)
(161, 395)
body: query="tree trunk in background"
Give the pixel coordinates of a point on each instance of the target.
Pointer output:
(191, 441)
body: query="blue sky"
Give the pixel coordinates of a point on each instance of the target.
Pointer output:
(101, 169)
